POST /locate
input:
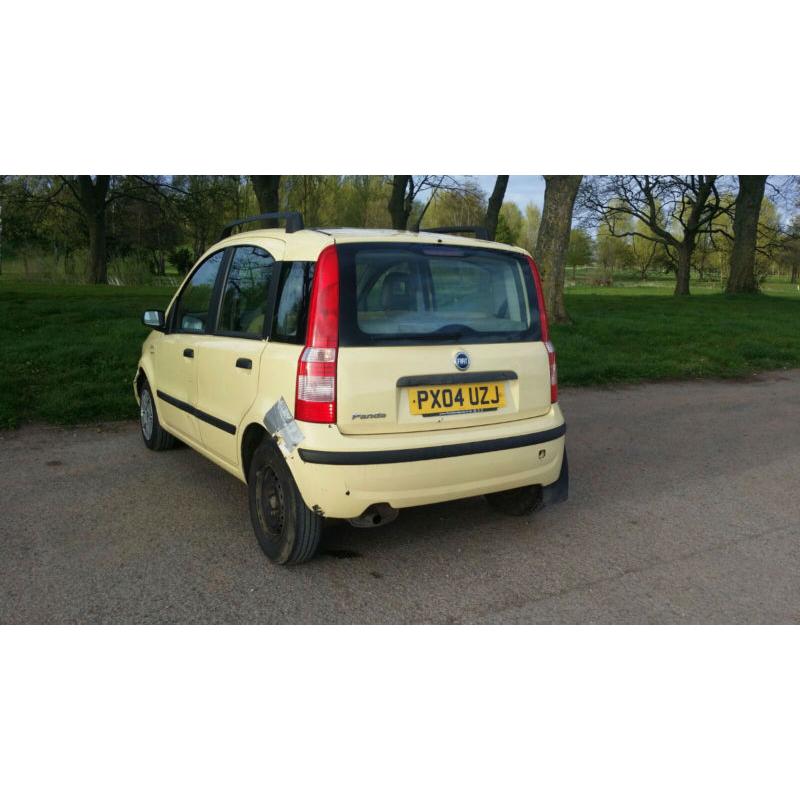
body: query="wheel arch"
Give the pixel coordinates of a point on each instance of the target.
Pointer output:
(252, 437)
(141, 377)
(144, 371)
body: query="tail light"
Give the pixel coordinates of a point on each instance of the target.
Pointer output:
(551, 351)
(315, 400)
(551, 357)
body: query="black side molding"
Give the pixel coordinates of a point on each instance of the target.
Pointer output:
(429, 453)
(449, 378)
(196, 412)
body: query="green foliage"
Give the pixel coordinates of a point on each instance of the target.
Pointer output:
(181, 259)
(152, 222)
(510, 224)
(613, 252)
(530, 228)
(788, 254)
(457, 208)
(338, 200)
(581, 248)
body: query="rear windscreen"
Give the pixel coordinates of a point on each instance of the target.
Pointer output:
(396, 294)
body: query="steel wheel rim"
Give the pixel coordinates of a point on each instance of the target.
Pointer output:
(270, 502)
(146, 414)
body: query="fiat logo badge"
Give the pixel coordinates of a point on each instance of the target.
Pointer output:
(461, 360)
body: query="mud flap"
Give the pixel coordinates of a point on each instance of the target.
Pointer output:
(557, 492)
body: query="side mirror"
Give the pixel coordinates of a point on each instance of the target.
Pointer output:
(153, 319)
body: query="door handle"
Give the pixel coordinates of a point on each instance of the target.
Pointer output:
(188, 352)
(244, 363)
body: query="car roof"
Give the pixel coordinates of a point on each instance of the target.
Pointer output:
(306, 245)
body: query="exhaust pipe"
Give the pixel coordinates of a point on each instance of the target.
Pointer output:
(376, 515)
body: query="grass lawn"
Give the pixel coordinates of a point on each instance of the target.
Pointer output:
(68, 353)
(642, 334)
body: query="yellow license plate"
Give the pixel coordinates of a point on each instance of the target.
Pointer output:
(456, 399)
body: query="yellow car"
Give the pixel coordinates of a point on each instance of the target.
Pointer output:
(347, 374)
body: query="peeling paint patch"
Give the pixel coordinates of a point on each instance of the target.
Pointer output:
(282, 427)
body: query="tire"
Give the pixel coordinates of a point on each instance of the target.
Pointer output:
(155, 437)
(288, 531)
(516, 502)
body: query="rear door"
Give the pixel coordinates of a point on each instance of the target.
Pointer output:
(435, 336)
(229, 361)
(176, 351)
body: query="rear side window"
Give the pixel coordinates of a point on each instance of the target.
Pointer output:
(290, 314)
(245, 297)
(396, 294)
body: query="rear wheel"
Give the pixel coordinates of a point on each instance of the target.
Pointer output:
(287, 529)
(155, 437)
(516, 502)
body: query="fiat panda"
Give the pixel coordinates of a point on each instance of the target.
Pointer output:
(349, 374)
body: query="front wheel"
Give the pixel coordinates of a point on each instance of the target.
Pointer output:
(155, 437)
(287, 529)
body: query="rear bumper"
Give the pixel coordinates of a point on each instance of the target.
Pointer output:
(342, 482)
(431, 453)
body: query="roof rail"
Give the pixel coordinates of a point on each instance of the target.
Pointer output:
(479, 231)
(294, 221)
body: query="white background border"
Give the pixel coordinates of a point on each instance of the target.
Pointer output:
(347, 87)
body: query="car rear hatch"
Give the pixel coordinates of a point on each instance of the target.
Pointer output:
(435, 336)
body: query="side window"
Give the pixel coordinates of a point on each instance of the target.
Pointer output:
(192, 308)
(245, 297)
(293, 292)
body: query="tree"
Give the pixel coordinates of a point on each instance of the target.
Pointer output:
(467, 207)
(401, 201)
(789, 254)
(553, 240)
(530, 226)
(145, 230)
(95, 195)
(510, 224)
(647, 254)
(93, 199)
(363, 202)
(742, 277)
(22, 220)
(495, 204)
(771, 239)
(613, 250)
(580, 252)
(267, 190)
(406, 192)
(674, 208)
(205, 203)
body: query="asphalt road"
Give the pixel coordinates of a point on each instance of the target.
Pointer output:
(684, 507)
